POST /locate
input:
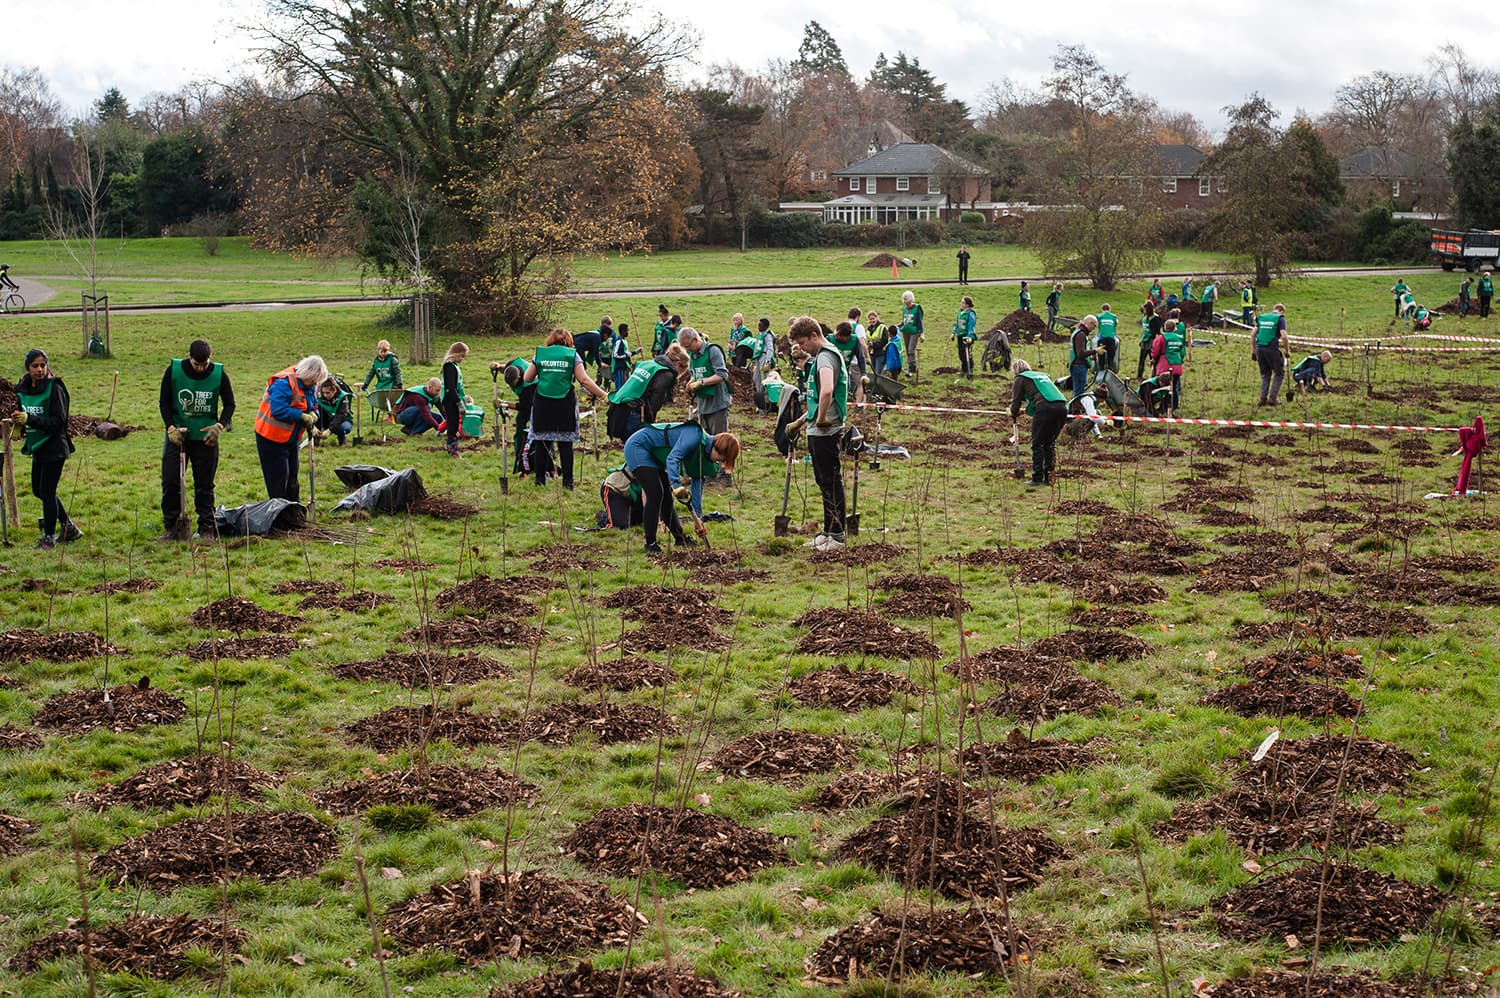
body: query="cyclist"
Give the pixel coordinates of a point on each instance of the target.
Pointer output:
(6, 285)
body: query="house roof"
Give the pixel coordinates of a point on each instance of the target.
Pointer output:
(1373, 162)
(911, 159)
(1179, 160)
(891, 200)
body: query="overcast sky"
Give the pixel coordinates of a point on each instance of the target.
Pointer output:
(1196, 59)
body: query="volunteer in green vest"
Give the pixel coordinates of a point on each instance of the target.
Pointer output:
(851, 349)
(741, 341)
(43, 414)
(1169, 351)
(197, 404)
(1270, 341)
(1081, 354)
(1048, 410)
(413, 408)
(963, 334)
(911, 328)
(649, 387)
(334, 415)
(709, 386)
(619, 355)
(762, 361)
(1023, 300)
(1107, 337)
(1151, 322)
(454, 399)
(1397, 291)
(1206, 302)
(525, 393)
(1054, 306)
(1486, 293)
(1311, 373)
(554, 411)
(827, 405)
(666, 330)
(385, 370)
(673, 459)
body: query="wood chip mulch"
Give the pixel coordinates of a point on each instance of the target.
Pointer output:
(355, 602)
(1090, 646)
(1218, 516)
(304, 587)
(416, 670)
(1361, 984)
(1346, 616)
(1247, 571)
(489, 596)
(1452, 563)
(397, 727)
(1084, 507)
(698, 557)
(700, 849)
(938, 846)
(853, 632)
(650, 598)
(622, 675)
(23, 644)
(607, 723)
(13, 739)
(1067, 692)
(442, 507)
(1021, 758)
(780, 755)
(272, 846)
(181, 781)
(893, 943)
(1359, 906)
(1197, 496)
(1008, 664)
(716, 576)
(123, 708)
(1313, 764)
(1427, 585)
(915, 595)
(850, 689)
(1104, 617)
(486, 916)
(250, 646)
(856, 555)
(13, 834)
(464, 632)
(1273, 540)
(456, 791)
(154, 945)
(1300, 663)
(672, 632)
(585, 982)
(404, 564)
(126, 586)
(1281, 699)
(237, 614)
(898, 791)
(1118, 589)
(1261, 822)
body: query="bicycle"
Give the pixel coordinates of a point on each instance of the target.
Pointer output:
(14, 303)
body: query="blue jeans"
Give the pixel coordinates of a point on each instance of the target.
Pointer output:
(412, 418)
(1078, 379)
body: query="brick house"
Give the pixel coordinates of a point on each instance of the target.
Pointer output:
(1393, 176)
(909, 180)
(1178, 179)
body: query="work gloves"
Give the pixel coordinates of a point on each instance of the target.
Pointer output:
(20, 417)
(211, 434)
(174, 435)
(309, 419)
(683, 494)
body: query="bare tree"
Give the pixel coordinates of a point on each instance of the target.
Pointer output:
(79, 231)
(28, 112)
(1465, 87)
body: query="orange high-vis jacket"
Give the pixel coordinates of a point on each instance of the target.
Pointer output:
(267, 425)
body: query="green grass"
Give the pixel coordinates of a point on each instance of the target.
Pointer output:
(1159, 746)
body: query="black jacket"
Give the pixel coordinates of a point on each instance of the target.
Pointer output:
(60, 445)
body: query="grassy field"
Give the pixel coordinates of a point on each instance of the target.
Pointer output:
(1157, 749)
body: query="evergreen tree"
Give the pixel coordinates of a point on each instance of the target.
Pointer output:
(112, 106)
(819, 53)
(1474, 168)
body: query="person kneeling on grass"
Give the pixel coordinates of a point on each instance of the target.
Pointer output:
(661, 454)
(1311, 373)
(414, 408)
(333, 410)
(1048, 410)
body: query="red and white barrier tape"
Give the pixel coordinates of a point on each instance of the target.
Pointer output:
(1356, 346)
(1273, 423)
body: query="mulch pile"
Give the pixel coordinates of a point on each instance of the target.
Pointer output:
(714, 576)
(856, 632)
(608, 723)
(621, 675)
(850, 689)
(672, 632)
(360, 599)
(1281, 699)
(271, 846)
(1295, 984)
(1313, 764)
(856, 555)
(237, 614)
(1452, 563)
(1270, 540)
(182, 781)
(1084, 507)
(1197, 496)
(698, 557)
(941, 847)
(1116, 589)
(894, 943)
(1247, 571)
(304, 587)
(27, 645)
(13, 739)
(586, 982)
(1007, 664)
(1425, 585)
(702, 850)
(415, 670)
(1359, 906)
(1067, 692)
(1025, 759)
(913, 595)
(1218, 516)
(397, 727)
(781, 755)
(254, 646)
(1347, 617)
(123, 708)
(1090, 646)
(442, 507)
(485, 916)
(1298, 663)
(456, 791)
(899, 791)
(1260, 822)
(126, 586)
(404, 565)
(646, 599)
(1101, 617)
(13, 834)
(463, 632)
(1329, 514)
(153, 945)
(485, 595)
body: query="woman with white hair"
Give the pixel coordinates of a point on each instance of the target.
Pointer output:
(287, 408)
(911, 328)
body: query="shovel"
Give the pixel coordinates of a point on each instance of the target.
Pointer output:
(182, 528)
(784, 522)
(312, 477)
(109, 417)
(504, 460)
(358, 407)
(851, 521)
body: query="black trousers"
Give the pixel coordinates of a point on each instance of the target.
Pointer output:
(966, 356)
(656, 502)
(1272, 370)
(1484, 305)
(278, 466)
(1047, 421)
(45, 476)
(828, 473)
(1140, 364)
(204, 460)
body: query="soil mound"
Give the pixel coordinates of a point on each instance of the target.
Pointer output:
(621, 675)
(492, 597)
(672, 632)
(415, 670)
(855, 632)
(1066, 693)
(1359, 906)
(916, 940)
(1007, 664)
(126, 586)
(1261, 822)
(913, 595)
(486, 916)
(856, 555)
(1090, 646)
(638, 599)
(237, 614)
(183, 781)
(1218, 516)
(608, 723)
(24, 644)
(702, 850)
(1198, 496)
(1022, 758)
(1019, 325)
(883, 261)
(456, 791)
(1272, 540)
(586, 982)
(13, 834)
(153, 945)
(850, 689)
(123, 708)
(1101, 617)
(1311, 765)
(462, 632)
(940, 847)
(1245, 571)
(713, 576)
(1084, 507)
(303, 587)
(254, 646)
(442, 507)
(271, 846)
(1348, 617)
(13, 739)
(781, 755)
(1294, 984)
(355, 602)
(392, 729)
(1297, 698)
(698, 557)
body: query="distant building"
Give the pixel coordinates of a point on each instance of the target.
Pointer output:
(1178, 180)
(908, 181)
(1375, 175)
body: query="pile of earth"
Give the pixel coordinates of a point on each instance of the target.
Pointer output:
(1021, 758)
(392, 729)
(698, 557)
(413, 669)
(607, 723)
(1360, 984)
(253, 646)
(153, 945)
(1066, 692)
(716, 576)
(1244, 571)
(24, 644)
(561, 557)
(702, 850)
(1020, 326)
(893, 943)
(491, 597)
(1300, 663)
(1321, 763)
(621, 675)
(271, 846)
(486, 916)
(464, 632)
(183, 781)
(355, 602)
(857, 632)
(237, 614)
(123, 708)
(1263, 822)
(781, 755)
(850, 689)
(442, 507)
(884, 261)
(455, 791)
(1350, 905)
(1345, 616)
(856, 555)
(586, 982)
(1102, 617)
